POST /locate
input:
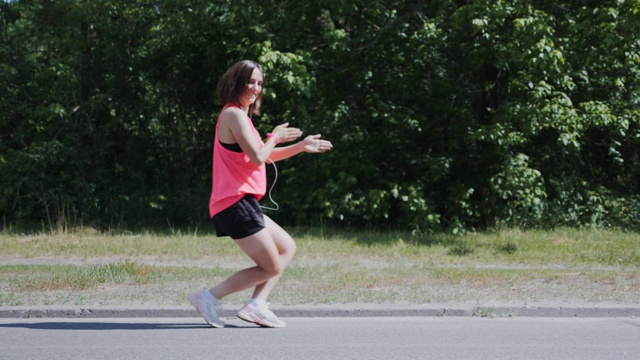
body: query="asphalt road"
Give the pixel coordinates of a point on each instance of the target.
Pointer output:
(322, 338)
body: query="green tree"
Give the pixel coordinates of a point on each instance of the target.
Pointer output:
(444, 114)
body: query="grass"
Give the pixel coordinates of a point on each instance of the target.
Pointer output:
(84, 267)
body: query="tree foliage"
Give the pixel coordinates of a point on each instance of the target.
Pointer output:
(444, 114)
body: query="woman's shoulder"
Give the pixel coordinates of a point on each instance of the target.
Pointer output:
(232, 117)
(232, 113)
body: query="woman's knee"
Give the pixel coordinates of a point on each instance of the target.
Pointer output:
(285, 243)
(273, 268)
(264, 251)
(286, 246)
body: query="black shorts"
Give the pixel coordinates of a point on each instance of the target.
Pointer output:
(241, 219)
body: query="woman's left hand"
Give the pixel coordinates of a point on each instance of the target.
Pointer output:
(313, 144)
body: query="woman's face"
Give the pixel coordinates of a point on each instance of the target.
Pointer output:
(253, 89)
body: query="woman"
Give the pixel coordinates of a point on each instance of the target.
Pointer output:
(239, 182)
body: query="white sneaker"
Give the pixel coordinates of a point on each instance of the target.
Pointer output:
(260, 315)
(208, 309)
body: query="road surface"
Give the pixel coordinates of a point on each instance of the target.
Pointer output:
(322, 338)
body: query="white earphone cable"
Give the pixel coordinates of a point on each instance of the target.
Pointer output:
(275, 168)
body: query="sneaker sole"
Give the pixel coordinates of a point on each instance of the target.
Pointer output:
(211, 323)
(242, 315)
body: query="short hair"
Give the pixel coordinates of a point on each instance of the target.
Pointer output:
(232, 84)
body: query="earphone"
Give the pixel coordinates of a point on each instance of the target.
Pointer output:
(275, 168)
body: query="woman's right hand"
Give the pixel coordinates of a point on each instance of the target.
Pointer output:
(286, 133)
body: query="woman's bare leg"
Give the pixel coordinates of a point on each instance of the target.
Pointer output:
(286, 249)
(271, 249)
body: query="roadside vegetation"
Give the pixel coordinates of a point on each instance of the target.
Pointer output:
(87, 267)
(445, 115)
(449, 119)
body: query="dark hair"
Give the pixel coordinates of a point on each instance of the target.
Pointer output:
(233, 83)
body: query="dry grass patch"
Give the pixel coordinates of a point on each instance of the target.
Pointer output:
(508, 266)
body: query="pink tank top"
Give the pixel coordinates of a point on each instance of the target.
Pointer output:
(234, 175)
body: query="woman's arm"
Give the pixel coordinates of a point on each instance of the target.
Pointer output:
(234, 127)
(311, 144)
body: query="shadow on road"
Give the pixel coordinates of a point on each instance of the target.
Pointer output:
(62, 325)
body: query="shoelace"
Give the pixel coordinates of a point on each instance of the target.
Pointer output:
(218, 308)
(215, 306)
(268, 313)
